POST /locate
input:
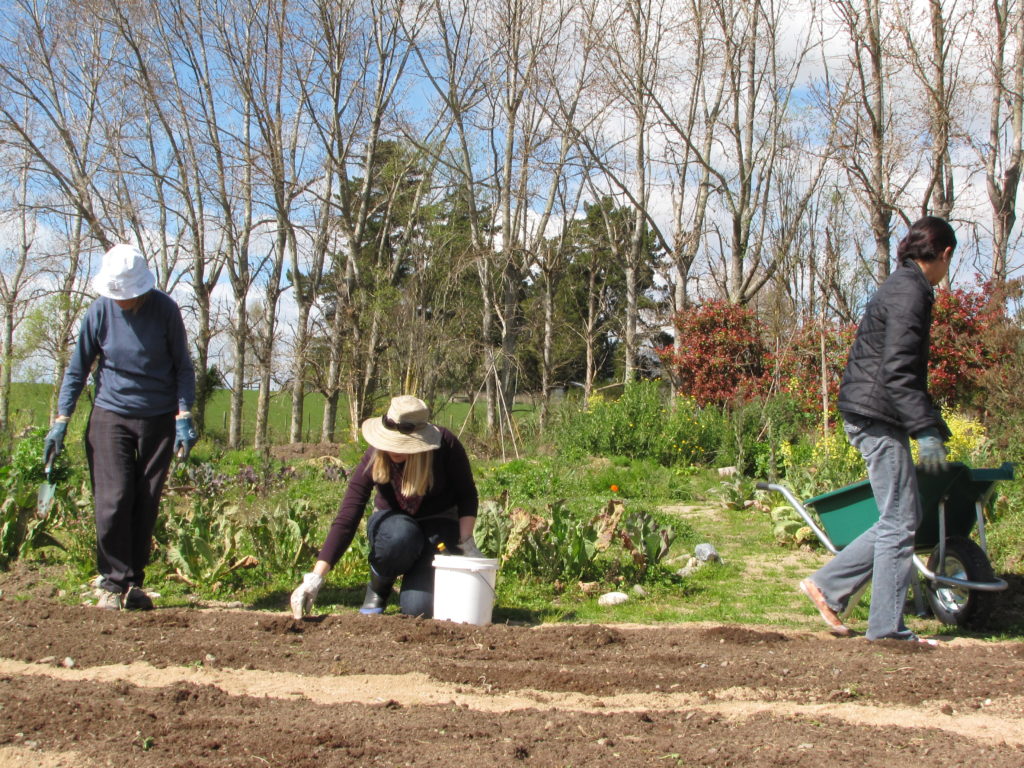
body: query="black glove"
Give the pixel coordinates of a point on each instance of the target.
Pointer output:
(185, 436)
(54, 442)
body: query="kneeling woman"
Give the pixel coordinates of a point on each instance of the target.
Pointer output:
(425, 497)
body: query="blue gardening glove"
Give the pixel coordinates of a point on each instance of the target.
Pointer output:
(931, 453)
(54, 442)
(185, 436)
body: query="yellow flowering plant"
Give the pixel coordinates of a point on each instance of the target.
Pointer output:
(968, 441)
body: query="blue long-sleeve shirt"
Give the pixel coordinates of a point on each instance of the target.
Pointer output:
(144, 367)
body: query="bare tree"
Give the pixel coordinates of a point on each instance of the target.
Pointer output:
(771, 169)
(163, 66)
(454, 60)
(690, 134)
(933, 48)
(631, 63)
(859, 104)
(55, 68)
(387, 37)
(19, 285)
(265, 64)
(1003, 151)
(224, 118)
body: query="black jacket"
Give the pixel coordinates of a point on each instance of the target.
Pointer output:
(886, 376)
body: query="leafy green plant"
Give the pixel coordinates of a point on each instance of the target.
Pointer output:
(354, 564)
(283, 538)
(820, 463)
(646, 422)
(647, 540)
(735, 492)
(558, 545)
(789, 528)
(571, 543)
(525, 480)
(493, 526)
(204, 544)
(21, 529)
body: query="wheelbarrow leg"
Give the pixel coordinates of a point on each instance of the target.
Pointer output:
(854, 599)
(919, 607)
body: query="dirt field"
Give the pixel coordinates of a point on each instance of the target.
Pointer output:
(81, 688)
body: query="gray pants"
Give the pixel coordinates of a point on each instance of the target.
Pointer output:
(128, 463)
(884, 553)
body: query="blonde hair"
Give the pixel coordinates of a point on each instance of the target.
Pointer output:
(417, 477)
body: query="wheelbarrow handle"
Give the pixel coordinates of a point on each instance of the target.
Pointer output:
(800, 510)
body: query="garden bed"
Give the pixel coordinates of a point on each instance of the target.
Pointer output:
(216, 687)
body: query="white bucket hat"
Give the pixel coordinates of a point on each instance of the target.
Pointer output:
(404, 428)
(123, 274)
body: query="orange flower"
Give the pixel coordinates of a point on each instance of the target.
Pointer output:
(615, 488)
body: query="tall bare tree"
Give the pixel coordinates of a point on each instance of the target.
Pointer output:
(1003, 151)
(19, 285)
(163, 67)
(55, 68)
(859, 103)
(934, 44)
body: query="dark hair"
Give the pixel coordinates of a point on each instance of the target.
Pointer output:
(926, 239)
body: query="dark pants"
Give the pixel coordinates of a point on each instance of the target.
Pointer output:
(128, 463)
(405, 546)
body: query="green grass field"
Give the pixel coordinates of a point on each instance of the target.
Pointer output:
(30, 406)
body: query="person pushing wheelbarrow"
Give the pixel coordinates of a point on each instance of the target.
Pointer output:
(884, 402)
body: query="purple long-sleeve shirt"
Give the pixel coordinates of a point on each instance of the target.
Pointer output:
(453, 486)
(144, 367)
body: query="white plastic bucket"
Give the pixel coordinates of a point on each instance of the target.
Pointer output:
(464, 588)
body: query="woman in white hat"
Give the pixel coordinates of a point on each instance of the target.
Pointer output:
(425, 498)
(144, 388)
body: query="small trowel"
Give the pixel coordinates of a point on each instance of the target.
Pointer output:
(44, 500)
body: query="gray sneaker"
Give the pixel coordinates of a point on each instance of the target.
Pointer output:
(111, 601)
(137, 600)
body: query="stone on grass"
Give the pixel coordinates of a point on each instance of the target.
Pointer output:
(706, 553)
(612, 598)
(692, 565)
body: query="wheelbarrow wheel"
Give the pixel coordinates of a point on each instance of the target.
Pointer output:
(959, 606)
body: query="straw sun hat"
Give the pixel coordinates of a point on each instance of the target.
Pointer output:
(404, 428)
(123, 274)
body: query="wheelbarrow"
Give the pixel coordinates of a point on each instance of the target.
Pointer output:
(958, 579)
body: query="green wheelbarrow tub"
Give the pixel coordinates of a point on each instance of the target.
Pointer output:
(847, 512)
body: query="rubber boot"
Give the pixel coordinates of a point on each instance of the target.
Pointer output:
(377, 593)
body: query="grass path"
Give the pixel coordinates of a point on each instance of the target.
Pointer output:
(756, 582)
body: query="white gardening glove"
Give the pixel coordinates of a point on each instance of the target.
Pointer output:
(305, 594)
(469, 548)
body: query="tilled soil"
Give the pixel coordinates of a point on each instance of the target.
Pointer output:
(196, 687)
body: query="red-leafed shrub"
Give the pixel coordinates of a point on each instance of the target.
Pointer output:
(795, 368)
(721, 354)
(724, 357)
(965, 343)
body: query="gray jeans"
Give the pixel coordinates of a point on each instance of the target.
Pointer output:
(883, 553)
